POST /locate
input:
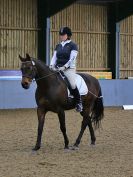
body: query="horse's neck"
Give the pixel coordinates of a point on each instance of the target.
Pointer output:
(42, 69)
(44, 75)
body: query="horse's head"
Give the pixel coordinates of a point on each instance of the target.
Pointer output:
(28, 71)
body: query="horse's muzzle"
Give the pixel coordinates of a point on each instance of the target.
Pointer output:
(26, 82)
(25, 85)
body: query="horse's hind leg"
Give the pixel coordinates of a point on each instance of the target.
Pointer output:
(83, 127)
(61, 116)
(41, 117)
(86, 122)
(93, 138)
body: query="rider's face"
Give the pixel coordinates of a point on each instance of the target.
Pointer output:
(63, 37)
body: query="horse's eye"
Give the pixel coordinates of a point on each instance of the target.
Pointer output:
(28, 67)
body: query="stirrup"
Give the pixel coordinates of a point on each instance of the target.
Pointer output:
(79, 107)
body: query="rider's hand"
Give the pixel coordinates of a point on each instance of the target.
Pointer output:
(52, 67)
(63, 68)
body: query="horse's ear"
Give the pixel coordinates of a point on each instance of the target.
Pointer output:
(21, 58)
(28, 56)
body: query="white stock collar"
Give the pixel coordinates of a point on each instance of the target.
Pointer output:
(65, 42)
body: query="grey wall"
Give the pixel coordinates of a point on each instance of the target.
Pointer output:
(12, 95)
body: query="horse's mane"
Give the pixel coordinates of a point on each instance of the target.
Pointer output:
(41, 63)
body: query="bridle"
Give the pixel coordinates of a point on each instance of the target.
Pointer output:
(34, 72)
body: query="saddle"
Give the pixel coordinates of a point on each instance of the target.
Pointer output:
(80, 83)
(66, 81)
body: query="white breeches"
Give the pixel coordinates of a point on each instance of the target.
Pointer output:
(70, 74)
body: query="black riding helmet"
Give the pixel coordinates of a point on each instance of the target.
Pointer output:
(65, 30)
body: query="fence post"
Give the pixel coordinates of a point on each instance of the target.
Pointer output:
(48, 40)
(117, 50)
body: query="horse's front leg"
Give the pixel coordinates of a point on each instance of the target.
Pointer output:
(61, 116)
(41, 118)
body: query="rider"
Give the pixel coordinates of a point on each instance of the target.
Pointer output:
(64, 59)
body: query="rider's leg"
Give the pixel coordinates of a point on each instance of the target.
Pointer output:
(76, 94)
(70, 74)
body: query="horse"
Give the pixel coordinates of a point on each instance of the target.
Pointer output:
(52, 95)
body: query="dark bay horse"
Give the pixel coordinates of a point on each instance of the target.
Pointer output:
(51, 95)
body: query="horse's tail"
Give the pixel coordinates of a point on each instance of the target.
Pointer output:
(98, 110)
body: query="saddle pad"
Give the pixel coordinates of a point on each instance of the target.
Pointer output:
(81, 85)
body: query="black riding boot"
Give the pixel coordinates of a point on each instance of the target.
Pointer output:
(77, 97)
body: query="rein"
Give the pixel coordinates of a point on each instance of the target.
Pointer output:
(95, 95)
(59, 72)
(33, 64)
(45, 76)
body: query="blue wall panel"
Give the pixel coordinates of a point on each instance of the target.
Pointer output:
(12, 95)
(117, 92)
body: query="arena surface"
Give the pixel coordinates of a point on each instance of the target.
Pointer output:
(111, 157)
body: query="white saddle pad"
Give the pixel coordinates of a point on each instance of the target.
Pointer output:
(81, 85)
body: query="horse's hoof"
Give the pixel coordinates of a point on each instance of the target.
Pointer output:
(66, 149)
(36, 148)
(92, 144)
(74, 148)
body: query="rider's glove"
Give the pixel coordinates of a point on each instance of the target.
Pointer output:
(52, 67)
(63, 68)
